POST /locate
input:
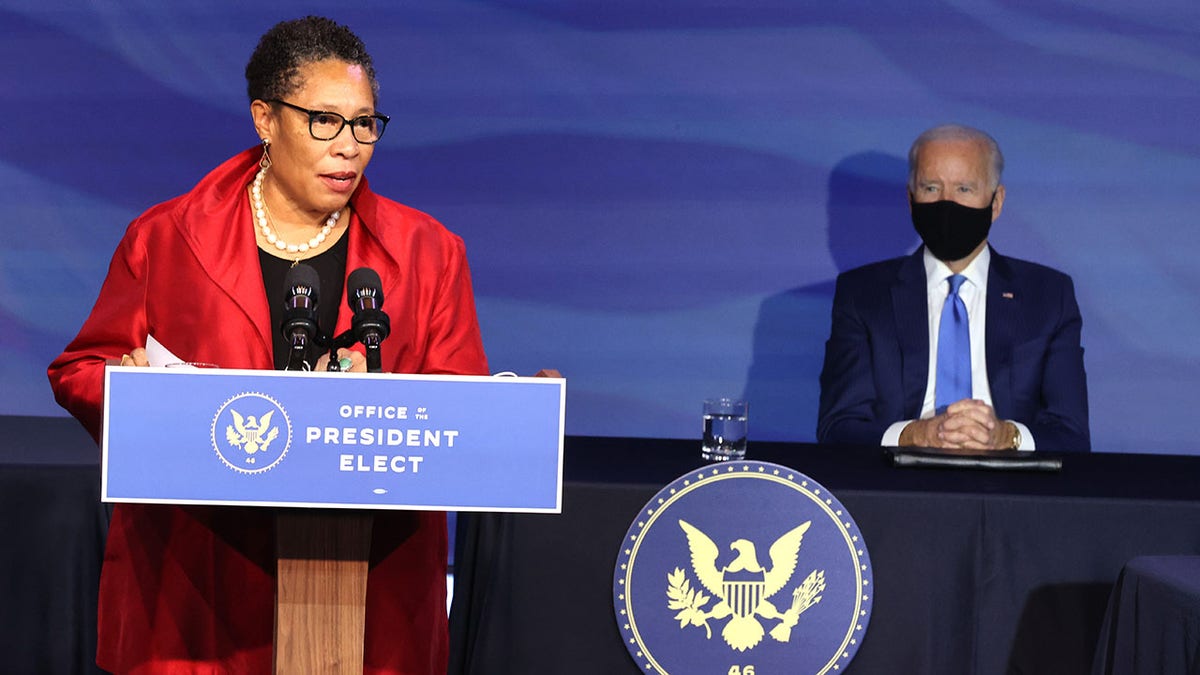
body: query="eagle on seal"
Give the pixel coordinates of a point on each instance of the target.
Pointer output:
(249, 434)
(745, 586)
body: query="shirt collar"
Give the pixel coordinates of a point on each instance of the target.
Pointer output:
(976, 271)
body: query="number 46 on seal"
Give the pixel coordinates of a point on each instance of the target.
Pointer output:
(740, 670)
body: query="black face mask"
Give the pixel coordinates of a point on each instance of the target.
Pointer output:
(949, 229)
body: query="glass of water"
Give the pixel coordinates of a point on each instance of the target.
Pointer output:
(725, 426)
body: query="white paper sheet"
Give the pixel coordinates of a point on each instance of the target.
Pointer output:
(159, 356)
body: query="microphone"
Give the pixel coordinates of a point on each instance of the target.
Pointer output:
(370, 325)
(299, 325)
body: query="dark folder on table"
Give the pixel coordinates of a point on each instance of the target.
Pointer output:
(1005, 460)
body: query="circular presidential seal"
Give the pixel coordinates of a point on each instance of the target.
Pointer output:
(743, 568)
(251, 433)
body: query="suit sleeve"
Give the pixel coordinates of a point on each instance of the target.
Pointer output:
(455, 346)
(848, 396)
(116, 326)
(1061, 420)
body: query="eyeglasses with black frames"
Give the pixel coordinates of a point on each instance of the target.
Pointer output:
(325, 125)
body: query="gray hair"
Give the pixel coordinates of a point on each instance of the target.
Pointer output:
(957, 132)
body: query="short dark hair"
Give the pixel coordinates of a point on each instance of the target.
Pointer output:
(274, 68)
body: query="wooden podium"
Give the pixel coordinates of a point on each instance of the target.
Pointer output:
(434, 443)
(321, 591)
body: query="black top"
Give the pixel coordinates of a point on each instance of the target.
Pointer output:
(330, 266)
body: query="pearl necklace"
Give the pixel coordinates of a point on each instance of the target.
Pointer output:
(260, 217)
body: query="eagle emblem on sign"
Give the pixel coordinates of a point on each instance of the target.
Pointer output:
(250, 434)
(743, 588)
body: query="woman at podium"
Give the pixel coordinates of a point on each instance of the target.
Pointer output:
(191, 589)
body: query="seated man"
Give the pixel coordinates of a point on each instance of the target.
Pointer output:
(955, 346)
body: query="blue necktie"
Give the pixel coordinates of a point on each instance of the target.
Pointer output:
(954, 350)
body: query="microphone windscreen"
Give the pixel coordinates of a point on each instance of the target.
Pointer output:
(364, 283)
(303, 280)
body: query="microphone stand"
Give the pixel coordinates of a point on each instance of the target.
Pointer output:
(299, 326)
(371, 340)
(370, 327)
(296, 353)
(344, 340)
(370, 324)
(374, 356)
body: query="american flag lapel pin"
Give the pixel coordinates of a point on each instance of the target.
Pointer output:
(1007, 295)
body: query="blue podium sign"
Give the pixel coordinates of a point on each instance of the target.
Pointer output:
(333, 440)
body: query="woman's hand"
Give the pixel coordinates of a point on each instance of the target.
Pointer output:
(358, 362)
(137, 357)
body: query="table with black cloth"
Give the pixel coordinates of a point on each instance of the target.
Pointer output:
(1152, 626)
(52, 530)
(975, 571)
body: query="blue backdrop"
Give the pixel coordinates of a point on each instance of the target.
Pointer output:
(656, 196)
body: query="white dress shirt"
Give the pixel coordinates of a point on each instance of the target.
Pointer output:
(974, 295)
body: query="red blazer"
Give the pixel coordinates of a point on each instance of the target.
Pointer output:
(191, 589)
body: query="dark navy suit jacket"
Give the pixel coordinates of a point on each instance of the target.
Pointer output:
(877, 357)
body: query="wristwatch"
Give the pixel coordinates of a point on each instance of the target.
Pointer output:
(1015, 444)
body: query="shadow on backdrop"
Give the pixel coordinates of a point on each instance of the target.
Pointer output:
(867, 221)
